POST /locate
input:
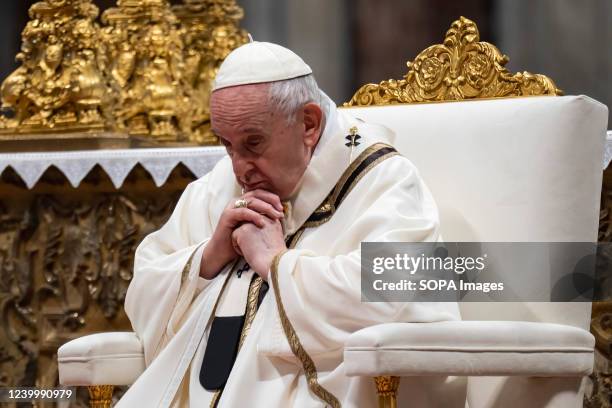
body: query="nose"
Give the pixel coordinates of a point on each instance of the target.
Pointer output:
(242, 167)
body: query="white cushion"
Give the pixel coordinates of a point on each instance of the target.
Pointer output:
(114, 358)
(474, 348)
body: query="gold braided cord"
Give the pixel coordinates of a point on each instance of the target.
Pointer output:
(294, 342)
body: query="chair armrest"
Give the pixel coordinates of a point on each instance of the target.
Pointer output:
(470, 348)
(115, 358)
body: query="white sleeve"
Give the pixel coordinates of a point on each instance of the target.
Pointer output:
(166, 270)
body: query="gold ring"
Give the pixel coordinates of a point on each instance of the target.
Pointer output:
(242, 203)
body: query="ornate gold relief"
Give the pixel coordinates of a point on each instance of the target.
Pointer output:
(142, 50)
(386, 387)
(59, 84)
(600, 395)
(461, 68)
(210, 33)
(66, 259)
(144, 73)
(100, 396)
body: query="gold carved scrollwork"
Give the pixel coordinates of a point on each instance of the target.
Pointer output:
(100, 396)
(386, 387)
(600, 395)
(143, 52)
(210, 33)
(66, 260)
(461, 68)
(59, 84)
(142, 77)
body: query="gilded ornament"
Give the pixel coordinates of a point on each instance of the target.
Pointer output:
(210, 33)
(142, 78)
(461, 68)
(66, 260)
(142, 48)
(386, 387)
(100, 396)
(59, 85)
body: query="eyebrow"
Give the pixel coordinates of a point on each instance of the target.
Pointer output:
(251, 130)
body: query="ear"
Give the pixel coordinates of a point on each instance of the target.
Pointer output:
(313, 121)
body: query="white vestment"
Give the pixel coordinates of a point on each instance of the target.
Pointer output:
(170, 306)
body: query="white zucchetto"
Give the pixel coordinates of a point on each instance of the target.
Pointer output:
(258, 62)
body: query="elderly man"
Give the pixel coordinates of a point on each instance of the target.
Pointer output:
(301, 187)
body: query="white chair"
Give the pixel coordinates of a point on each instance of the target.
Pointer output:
(507, 170)
(519, 169)
(511, 169)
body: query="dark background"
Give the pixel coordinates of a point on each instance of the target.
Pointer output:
(351, 42)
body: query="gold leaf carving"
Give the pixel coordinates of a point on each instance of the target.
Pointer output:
(461, 68)
(143, 52)
(59, 83)
(386, 385)
(66, 259)
(146, 72)
(100, 396)
(210, 33)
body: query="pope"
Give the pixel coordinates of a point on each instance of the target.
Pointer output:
(246, 296)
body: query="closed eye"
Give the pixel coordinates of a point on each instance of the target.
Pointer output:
(253, 142)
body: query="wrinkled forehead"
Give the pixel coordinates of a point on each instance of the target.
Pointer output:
(226, 99)
(243, 106)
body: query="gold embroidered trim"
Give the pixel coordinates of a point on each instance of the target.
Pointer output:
(217, 394)
(294, 342)
(251, 308)
(328, 205)
(368, 168)
(215, 399)
(295, 237)
(350, 169)
(188, 265)
(184, 274)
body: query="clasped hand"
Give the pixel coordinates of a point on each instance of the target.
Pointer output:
(254, 232)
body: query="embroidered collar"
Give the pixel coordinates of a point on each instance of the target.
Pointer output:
(329, 160)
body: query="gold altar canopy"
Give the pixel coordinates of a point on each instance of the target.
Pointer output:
(141, 76)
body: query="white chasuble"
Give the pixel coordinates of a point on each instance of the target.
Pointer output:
(315, 285)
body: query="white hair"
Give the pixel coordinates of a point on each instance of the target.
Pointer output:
(290, 95)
